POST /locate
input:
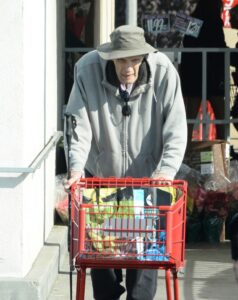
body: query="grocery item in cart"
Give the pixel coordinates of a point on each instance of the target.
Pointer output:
(128, 197)
(157, 249)
(104, 202)
(125, 220)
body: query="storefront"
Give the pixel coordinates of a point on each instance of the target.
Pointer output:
(196, 36)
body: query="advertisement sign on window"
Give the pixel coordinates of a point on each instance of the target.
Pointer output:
(227, 6)
(156, 24)
(187, 25)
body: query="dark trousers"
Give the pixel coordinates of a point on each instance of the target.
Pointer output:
(140, 284)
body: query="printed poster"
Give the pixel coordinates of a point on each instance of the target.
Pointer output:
(187, 25)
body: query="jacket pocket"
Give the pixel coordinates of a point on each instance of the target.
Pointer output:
(142, 166)
(109, 164)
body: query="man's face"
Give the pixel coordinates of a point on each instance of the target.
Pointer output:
(127, 69)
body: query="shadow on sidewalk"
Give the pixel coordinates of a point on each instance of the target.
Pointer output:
(209, 273)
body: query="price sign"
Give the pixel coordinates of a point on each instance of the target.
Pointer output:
(187, 25)
(156, 24)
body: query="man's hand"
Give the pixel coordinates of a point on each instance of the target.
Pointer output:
(162, 178)
(74, 177)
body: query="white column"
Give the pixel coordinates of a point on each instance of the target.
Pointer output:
(131, 12)
(104, 21)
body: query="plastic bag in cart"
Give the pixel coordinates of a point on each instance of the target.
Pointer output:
(104, 203)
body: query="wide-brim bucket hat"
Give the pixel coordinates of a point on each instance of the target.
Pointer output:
(126, 41)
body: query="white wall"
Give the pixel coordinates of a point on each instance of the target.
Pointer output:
(28, 97)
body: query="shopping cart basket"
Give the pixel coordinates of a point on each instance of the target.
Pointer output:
(120, 223)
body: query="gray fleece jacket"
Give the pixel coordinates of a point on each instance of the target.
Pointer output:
(152, 139)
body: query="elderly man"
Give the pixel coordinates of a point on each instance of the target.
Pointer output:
(129, 121)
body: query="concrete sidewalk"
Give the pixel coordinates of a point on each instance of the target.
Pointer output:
(208, 275)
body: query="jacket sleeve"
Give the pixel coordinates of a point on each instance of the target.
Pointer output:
(175, 124)
(82, 134)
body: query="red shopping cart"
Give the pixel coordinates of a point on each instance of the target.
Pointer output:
(122, 223)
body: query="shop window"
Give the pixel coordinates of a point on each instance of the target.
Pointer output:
(158, 17)
(79, 34)
(79, 23)
(79, 37)
(120, 12)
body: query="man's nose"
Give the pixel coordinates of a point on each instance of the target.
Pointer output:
(128, 65)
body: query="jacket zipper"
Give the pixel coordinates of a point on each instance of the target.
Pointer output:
(125, 145)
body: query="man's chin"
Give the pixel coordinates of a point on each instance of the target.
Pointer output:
(129, 81)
